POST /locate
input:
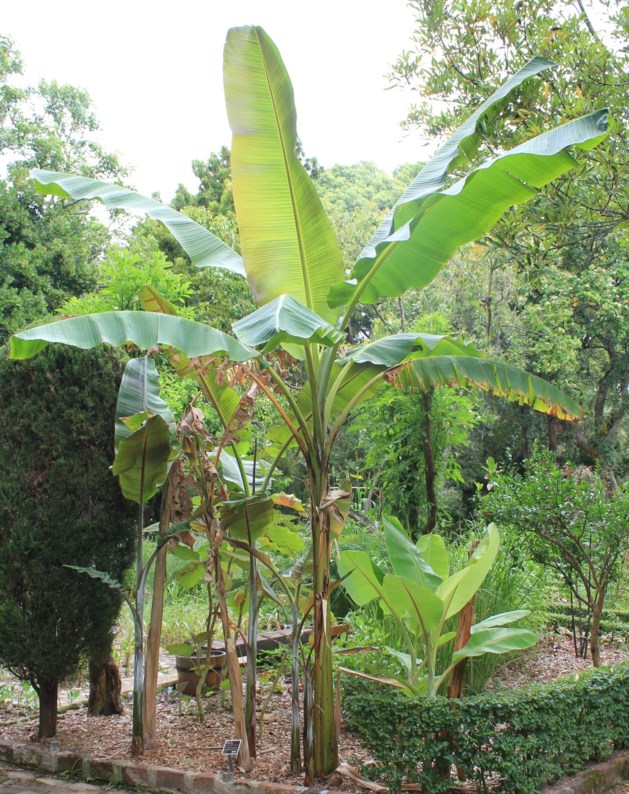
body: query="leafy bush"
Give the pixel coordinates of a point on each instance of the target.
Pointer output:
(523, 738)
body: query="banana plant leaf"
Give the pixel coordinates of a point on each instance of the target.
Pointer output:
(501, 380)
(203, 248)
(405, 557)
(433, 550)
(501, 619)
(462, 143)
(416, 251)
(288, 244)
(144, 329)
(392, 350)
(139, 393)
(361, 578)
(458, 589)
(232, 474)
(420, 608)
(247, 519)
(495, 640)
(142, 460)
(223, 398)
(284, 320)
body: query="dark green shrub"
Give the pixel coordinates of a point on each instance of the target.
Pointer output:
(522, 739)
(59, 504)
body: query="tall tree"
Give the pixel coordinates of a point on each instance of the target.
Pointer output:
(59, 505)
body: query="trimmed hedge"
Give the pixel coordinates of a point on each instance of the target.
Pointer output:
(519, 739)
(613, 615)
(610, 629)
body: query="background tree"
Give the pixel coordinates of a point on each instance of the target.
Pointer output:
(47, 252)
(59, 504)
(572, 522)
(563, 257)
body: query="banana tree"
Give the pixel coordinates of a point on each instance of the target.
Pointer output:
(421, 595)
(293, 264)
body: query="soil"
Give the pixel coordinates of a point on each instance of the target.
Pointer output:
(184, 741)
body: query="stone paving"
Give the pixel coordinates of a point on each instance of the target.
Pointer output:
(24, 781)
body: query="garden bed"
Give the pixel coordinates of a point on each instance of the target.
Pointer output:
(186, 743)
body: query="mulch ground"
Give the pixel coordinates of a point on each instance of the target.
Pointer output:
(186, 742)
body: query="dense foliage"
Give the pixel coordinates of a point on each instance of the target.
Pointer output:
(59, 505)
(526, 738)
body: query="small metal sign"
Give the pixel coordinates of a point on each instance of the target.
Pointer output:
(232, 747)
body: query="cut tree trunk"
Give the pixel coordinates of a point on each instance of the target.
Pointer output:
(105, 696)
(47, 691)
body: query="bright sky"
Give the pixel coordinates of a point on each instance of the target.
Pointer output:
(154, 72)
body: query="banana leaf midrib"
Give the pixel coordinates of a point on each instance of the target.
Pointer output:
(298, 231)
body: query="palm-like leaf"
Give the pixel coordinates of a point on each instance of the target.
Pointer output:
(418, 248)
(287, 241)
(203, 248)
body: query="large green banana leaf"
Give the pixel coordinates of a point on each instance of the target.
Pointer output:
(416, 251)
(144, 329)
(496, 640)
(463, 142)
(501, 380)
(203, 248)
(287, 241)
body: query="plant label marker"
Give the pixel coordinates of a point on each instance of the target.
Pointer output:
(231, 748)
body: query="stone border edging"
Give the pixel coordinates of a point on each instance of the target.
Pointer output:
(596, 779)
(129, 773)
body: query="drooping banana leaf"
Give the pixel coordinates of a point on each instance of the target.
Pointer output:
(144, 329)
(284, 320)
(416, 250)
(247, 519)
(203, 248)
(288, 244)
(501, 380)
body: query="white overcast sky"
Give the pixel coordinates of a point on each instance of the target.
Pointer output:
(154, 72)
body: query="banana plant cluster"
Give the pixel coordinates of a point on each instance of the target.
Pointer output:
(423, 597)
(293, 264)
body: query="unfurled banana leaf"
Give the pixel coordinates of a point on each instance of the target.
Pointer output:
(463, 142)
(203, 248)
(495, 640)
(417, 249)
(287, 240)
